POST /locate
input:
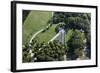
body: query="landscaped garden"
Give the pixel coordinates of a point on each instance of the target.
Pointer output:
(48, 25)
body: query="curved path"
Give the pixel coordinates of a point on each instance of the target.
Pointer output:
(35, 35)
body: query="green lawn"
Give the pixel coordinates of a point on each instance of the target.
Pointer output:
(35, 21)
(68, 36)
(47, 35)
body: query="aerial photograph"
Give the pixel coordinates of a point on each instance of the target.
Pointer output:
(55, 36)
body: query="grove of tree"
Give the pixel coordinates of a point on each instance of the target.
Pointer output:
(80, 38)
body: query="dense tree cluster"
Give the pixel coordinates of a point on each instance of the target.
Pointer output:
(72, 20)
(53, 51)
(75, 45)
(26, 55)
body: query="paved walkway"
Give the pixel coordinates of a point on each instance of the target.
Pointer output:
(34, 35)
(59, 36)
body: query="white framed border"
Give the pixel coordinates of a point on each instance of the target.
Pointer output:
(55, 64)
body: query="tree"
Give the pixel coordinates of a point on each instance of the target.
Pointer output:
(76, 45)
(73, 20)
(60, 25)
(80, 21)
(54, 51)
(26, 54)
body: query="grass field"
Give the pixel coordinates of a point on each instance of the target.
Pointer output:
(35, 21)
(47, 35)
(68, 35)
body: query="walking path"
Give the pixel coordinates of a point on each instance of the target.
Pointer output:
(34, 35)
(59, 36)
